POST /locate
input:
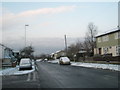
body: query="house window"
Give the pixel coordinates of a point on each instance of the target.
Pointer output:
(105, 38)
(117, 50)
(110, 47)
(99, 39)
(116, 35)
(119, 34)
(105, 50)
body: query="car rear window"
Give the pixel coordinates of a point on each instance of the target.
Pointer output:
(25, 61)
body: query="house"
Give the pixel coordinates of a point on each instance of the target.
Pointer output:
(6, 55)
(1, 52)
(58, 54)
(108, 43)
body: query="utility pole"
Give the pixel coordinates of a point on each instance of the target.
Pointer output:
(25, 33)
(65, 44)
(119, 15)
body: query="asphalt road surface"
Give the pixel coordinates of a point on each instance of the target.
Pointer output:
(50, 75)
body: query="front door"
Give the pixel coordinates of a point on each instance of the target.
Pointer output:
(100, 51)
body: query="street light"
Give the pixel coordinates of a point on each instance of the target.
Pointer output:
(25, 33)
(65, 43)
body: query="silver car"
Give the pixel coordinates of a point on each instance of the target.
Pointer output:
(64, 60)
(25, 64)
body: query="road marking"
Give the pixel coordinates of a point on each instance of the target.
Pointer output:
(29, 75)
(36, 68)
(34, 76)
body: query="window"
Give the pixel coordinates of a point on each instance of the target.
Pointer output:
(119, 34)
(116, 35)
(105, 50)
(105, 38)
(117, 50)
(99, 39)
(110, 47)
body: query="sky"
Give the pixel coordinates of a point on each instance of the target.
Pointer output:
(50, 21)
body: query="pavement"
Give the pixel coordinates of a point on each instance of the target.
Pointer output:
(48, 75)
(20, 81)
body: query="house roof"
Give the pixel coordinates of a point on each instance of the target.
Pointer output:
(5, 46)
(108, 33)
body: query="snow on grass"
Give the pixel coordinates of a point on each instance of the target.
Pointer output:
(38, 60)
(96, 65)
(54, 61)
(24, 71)
(15, 71)
(7, 71)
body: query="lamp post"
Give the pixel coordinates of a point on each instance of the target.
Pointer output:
(25, 33)
(65, 44)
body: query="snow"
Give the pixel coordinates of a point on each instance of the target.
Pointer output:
(8, 71)
(24, 71)
(15, 71)
(92, 65)
(38, 60)
(65, 59)
(54, 61)
(96, 65)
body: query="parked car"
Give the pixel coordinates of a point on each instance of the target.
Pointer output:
(45, 60)
(64, 60)
(25, 64)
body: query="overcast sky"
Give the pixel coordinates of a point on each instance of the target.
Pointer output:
(49, 22)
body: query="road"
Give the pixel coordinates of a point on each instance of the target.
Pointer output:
(50, 75)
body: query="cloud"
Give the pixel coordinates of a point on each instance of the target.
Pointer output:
(10, 20)
(9, 15)
(44, 24)
(46, 11)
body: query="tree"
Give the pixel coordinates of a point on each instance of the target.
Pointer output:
(27, 52)
(73, 49)
(89, 39)
(43, 56)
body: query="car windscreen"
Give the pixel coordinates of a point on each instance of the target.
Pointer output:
(25, 62)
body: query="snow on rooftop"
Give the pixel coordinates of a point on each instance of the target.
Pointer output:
(108, 31)
(58, 51)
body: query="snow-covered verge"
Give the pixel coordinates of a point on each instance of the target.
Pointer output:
(15, 71)
(96, 65)
(54, 61)
(8, 71)
(24, 71)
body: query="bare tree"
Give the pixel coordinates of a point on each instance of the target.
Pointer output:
(73, 49)
(89, 39)
(27, 52)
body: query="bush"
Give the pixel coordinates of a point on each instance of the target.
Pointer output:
(97, 57)
(106, 57)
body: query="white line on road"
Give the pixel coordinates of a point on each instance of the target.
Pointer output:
(34, 76)
(29, 75)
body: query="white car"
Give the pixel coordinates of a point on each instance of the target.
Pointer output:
(25, 64)
(64, 60)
